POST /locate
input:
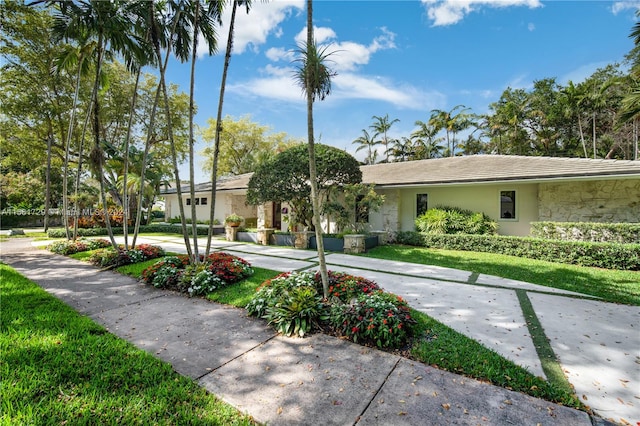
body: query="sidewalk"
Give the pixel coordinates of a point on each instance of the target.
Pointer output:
(322, 379)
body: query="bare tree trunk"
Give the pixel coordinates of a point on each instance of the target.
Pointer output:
(192, 190)
(47, 195)
(125, 188)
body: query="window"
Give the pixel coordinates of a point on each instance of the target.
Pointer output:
(507, 204)
(421, 204)
(197, 201)
(188, 201)
(203, 201)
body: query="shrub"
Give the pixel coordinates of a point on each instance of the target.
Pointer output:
(382, 319)
(345, 287)
(599, 255)
(166, 273)
(71, 247)
(108, 257)
(453, 220)
(297, 311)
(218, 270)
(95, 232)
(359, 310)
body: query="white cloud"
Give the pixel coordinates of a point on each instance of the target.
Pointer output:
(620, 6)
(581, 73)
(252, 29)
(531, 26)
(277, 83)
(348, 55)
(449, 12)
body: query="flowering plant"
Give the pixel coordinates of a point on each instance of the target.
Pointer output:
(71, 247)
(217, 270)
(345, 287)
(379, 318)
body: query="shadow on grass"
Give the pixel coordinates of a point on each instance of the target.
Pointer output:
(63, 366)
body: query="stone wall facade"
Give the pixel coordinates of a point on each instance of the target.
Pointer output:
(590, 201)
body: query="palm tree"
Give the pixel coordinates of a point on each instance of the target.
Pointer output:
(572, 98)
(426, 142)
(110, 25)
(72, 57)
(314, 77)
(402, 149)
(216, 144)
(202, 17)
(451, 123)
(381, 126)
(366, 141)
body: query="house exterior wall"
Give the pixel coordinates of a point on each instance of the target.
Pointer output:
(399, 210)
(226, 203)
(590, 201)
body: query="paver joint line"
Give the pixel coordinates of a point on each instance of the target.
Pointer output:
(375, 395)
(236, 357)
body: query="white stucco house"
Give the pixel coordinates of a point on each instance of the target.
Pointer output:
(514, 190)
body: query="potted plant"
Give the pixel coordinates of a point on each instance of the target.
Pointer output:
(233, 220)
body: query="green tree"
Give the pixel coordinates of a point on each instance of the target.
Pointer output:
(242, 145)
(314, 77)
(381, 127)
(426, 142)
(368, 142)
(286, 178)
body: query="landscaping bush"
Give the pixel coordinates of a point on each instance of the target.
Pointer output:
(379, 318)
(346, 287)
(600, 255)
(218, 270)
(109, 257)
(623, 233)
(453, 220)
(71, 247)
(358, 309)
(95, 232)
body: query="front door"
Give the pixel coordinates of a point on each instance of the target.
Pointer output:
(277, 216)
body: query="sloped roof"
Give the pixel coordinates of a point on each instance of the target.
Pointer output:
(494, 168)
(469, 169)
(223, 184)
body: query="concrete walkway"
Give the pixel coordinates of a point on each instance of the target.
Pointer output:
(326, 380)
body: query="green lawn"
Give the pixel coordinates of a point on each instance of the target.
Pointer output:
(610, 285)
(62, 368)
(447, 349)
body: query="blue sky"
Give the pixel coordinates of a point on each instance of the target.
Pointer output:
(403, 58)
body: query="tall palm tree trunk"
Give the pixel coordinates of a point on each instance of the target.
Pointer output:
(192, 190)
(47, 195)
(216, 143)
(76, 189)
(67, 148)
(97, 155)
(125, 187)
(313, 175)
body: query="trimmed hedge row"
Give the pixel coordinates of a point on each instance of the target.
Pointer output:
(596, 254)
(624, 233)
(97, 232)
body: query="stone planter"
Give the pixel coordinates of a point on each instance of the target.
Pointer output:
(247, 237)
(330, 243)
(231, 233)
(283, 240)
(301, 239)
(264, 236)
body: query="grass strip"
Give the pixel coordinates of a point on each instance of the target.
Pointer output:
(444, 348)
(62, 368)
(548, 359)
(610, 285)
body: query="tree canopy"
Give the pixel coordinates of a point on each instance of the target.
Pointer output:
(244, 145)
(285, 178)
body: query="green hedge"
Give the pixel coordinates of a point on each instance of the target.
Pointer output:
(624, 233)
(97, 232)
(596, 254)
